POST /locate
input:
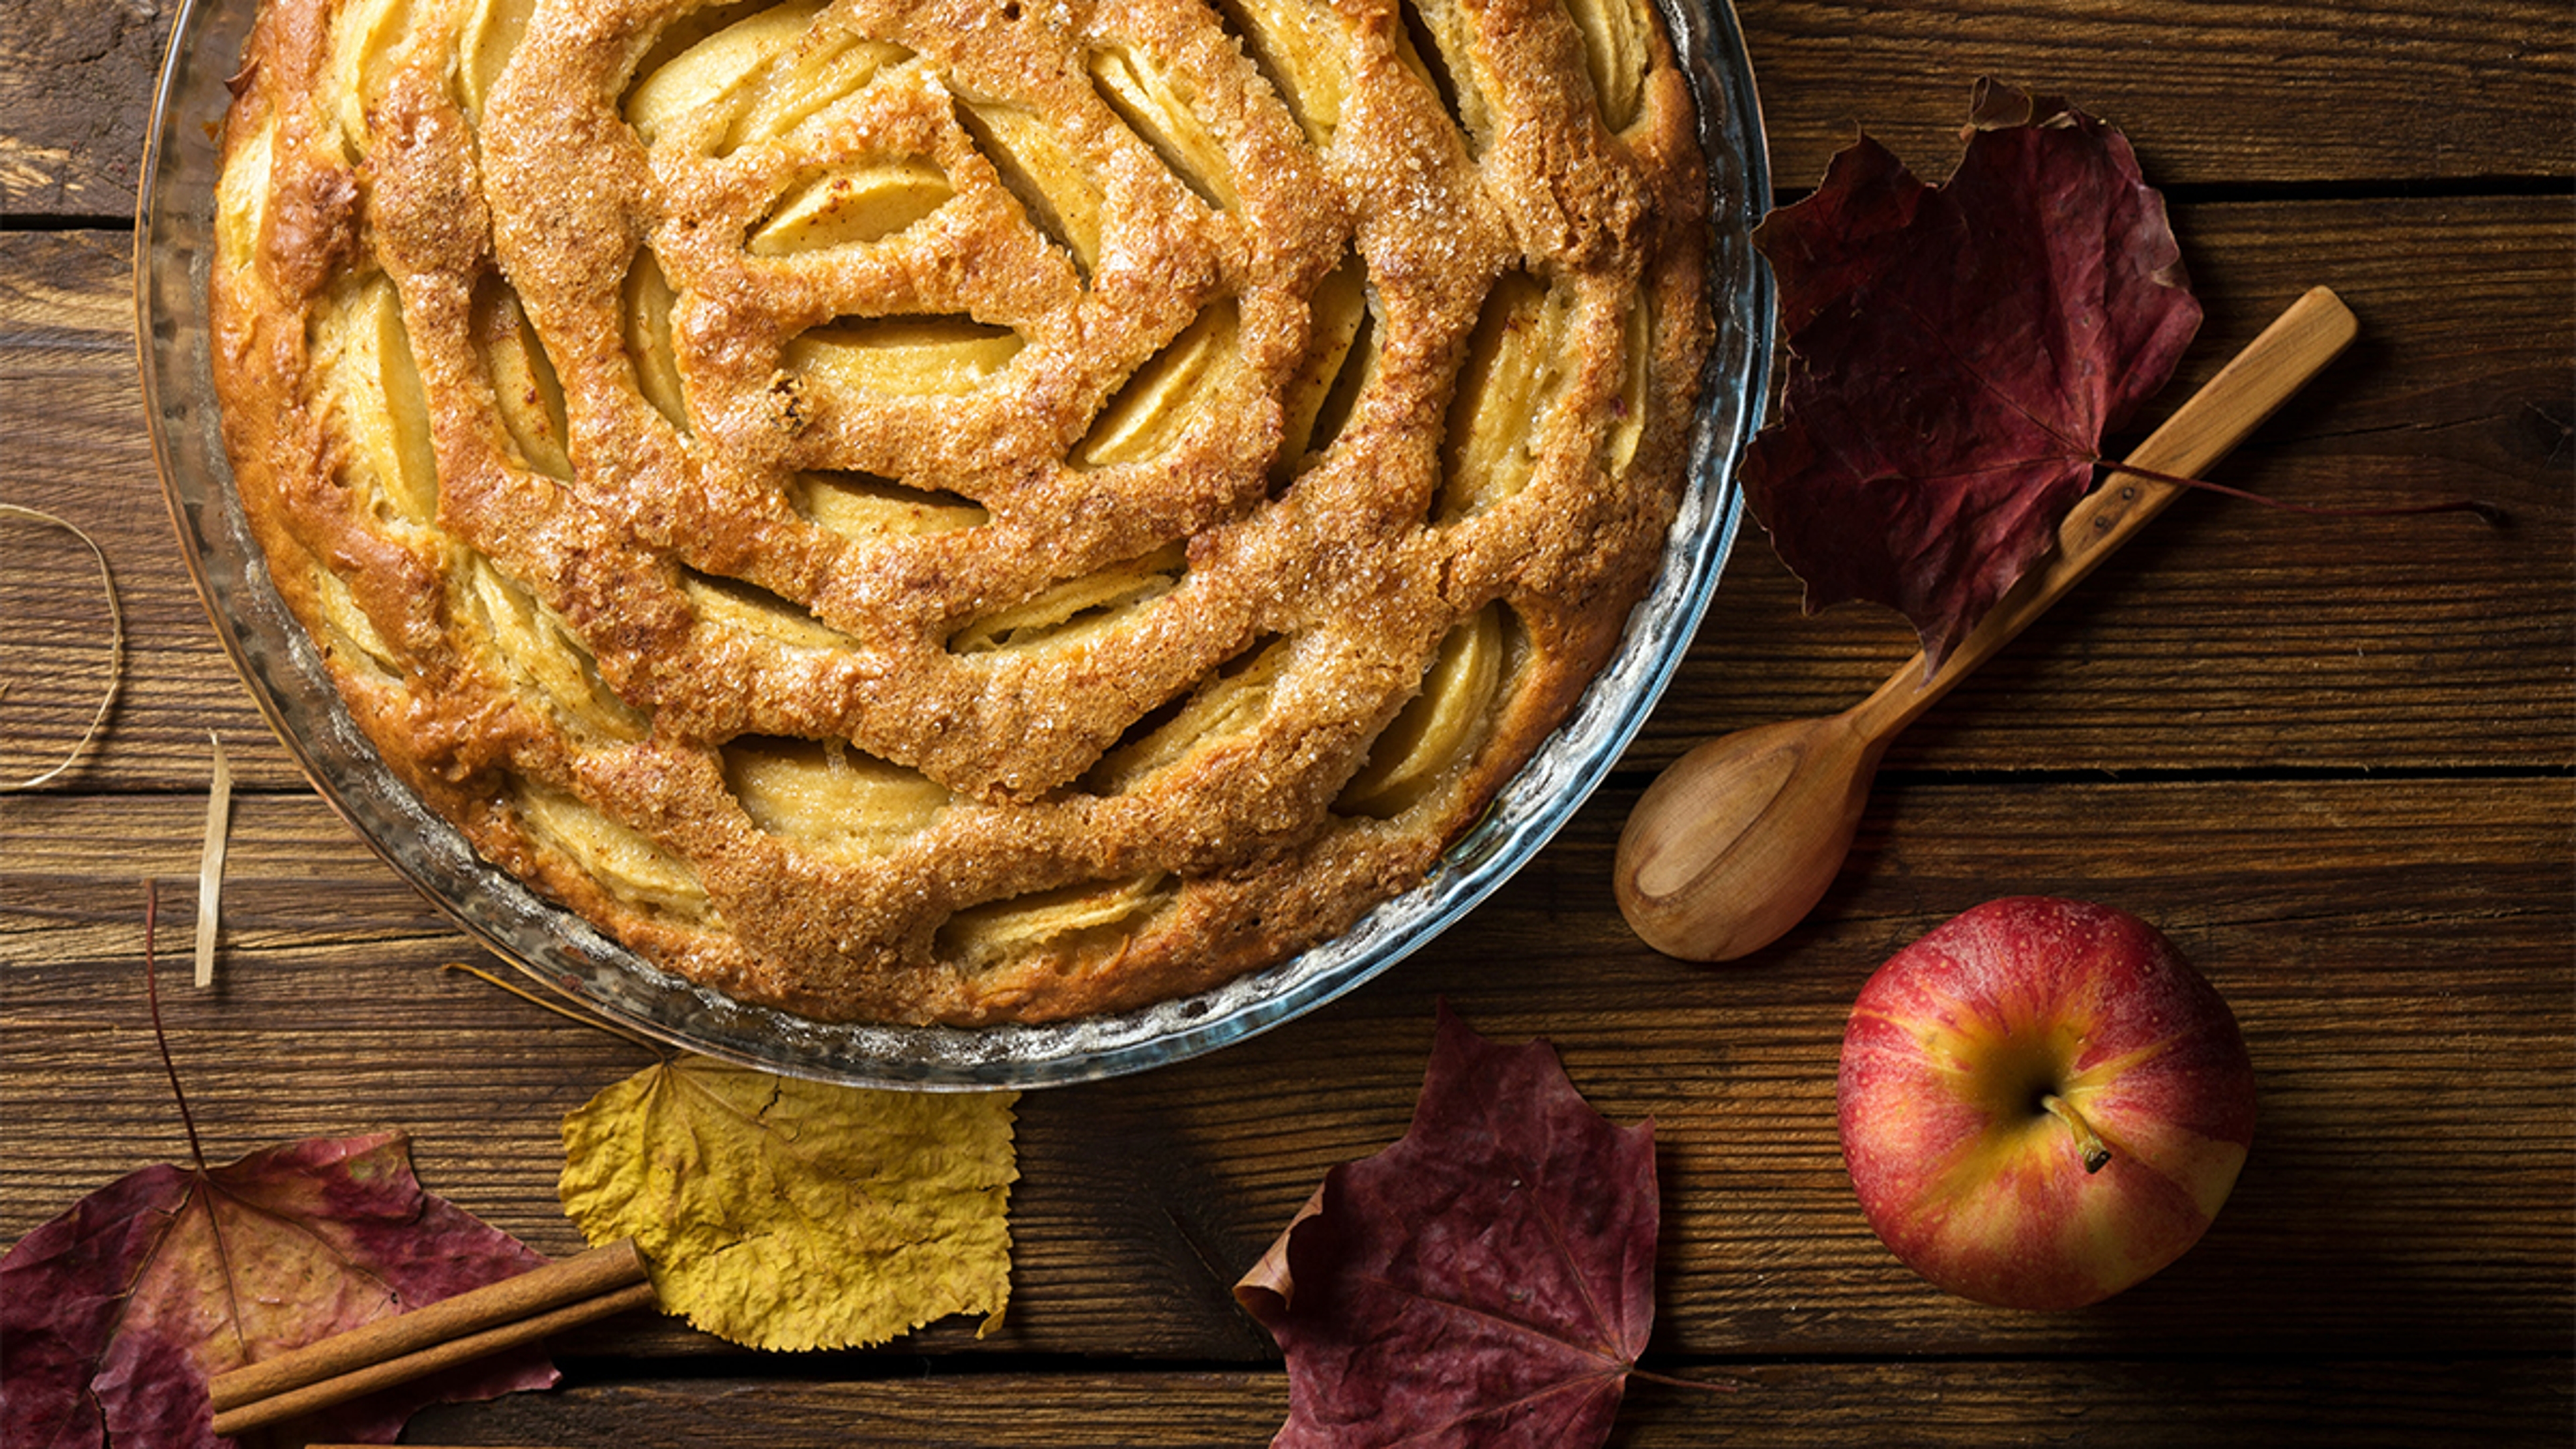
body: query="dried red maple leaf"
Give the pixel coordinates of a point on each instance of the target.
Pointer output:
(1955, 355)
(1486, 1280)
(116, 1315)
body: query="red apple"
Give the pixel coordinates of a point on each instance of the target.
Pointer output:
(2042, 1103)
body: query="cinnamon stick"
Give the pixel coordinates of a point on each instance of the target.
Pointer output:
(451, 1331)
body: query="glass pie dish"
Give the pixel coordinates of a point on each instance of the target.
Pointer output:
(174, 246)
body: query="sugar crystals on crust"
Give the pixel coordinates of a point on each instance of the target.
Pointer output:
(966, 511)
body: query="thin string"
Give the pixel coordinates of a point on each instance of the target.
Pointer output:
(116, 642)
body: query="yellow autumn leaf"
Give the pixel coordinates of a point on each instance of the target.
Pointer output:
(787, 1214)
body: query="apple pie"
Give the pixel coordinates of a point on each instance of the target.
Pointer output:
(960, 511)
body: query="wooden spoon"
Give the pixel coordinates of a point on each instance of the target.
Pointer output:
(1737, 840)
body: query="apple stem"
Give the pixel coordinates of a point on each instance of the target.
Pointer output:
(2096, 1154)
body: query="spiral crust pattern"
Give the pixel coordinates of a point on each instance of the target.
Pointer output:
(965, 511)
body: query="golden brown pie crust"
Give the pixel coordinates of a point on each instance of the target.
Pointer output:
(973, 511)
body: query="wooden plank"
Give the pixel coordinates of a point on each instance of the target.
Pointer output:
(2353, 91)
(79, 449)
(2412, 1403)
(2396, 950)
(76, 86)
(2228, 636)
(2238, 636)
(2331, 757)
(2348, 91)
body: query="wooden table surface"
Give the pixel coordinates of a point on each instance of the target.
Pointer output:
(2330, 756)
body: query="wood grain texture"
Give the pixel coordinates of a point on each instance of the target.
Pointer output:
(76, 86)
(2117, 1404)
(2235, 95)
(2334, 758)
(78, 448)
(2390, 1200)
(2231, 635)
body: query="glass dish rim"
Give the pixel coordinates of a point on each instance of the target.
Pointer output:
(565, 955)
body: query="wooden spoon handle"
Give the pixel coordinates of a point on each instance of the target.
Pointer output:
(2250, 388)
